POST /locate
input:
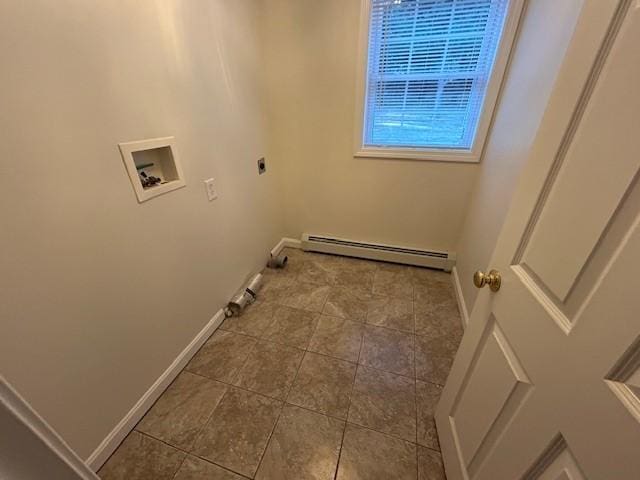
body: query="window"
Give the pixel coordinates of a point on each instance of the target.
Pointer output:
(433, 69)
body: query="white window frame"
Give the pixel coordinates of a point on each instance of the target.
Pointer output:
(472, 155)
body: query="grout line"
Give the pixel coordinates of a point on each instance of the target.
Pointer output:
(417, 461)
(331, 357)
(430, 383)
(344, 431)
(181, 464)
(206, 423)
(244, 389)
(200, 430)
(333, 417)
(386, 434)
(275, 425)
(218, 465)
(266, 444)
(189, 454)
(353, 386)
(428, 448)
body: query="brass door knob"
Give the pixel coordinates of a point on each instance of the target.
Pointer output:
(492, 279)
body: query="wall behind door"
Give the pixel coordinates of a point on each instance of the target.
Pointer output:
(98, 293)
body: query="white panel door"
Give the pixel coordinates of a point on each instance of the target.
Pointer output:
(29, 448)
(546, 384)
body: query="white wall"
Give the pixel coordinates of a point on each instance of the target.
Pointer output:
(99, 293)
(312, 55)
(544, 35)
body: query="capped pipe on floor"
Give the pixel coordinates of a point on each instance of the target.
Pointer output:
(279, 261)
(255, 285)
(244, 298)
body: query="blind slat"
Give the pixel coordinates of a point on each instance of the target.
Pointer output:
(428, 68)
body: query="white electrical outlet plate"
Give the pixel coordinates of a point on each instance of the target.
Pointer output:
(210, 185)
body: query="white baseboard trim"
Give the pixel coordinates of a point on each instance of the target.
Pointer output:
(122, 429)
(460, 297)
(285, 242)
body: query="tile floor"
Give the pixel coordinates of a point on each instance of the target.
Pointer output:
(333, 374)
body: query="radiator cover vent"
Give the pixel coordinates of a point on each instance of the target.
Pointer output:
(377, 251)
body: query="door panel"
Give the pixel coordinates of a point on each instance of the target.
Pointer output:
(594, 172)
(564, 467)
(551, 362)
(556, 463)
(624, 379)
(496, 379)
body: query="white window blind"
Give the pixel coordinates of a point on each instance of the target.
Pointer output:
(429, 65)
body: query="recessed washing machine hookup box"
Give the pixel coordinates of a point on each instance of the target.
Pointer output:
(153, 166)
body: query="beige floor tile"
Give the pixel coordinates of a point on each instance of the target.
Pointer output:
(319, 269)
(427, 396)
(434, 293)
(441, 320)
(394, 268)
(430, 465)
(304, 445)
(276, 288)
(270, 369)
(384, 402)
(222, 356)
(358, 264)
(198, 469)
(348, 302)
(289, 272)
(429, 276)
(237, 432)
(369, 455)
(338, 338)
(323, 384)
(253, 321)
(182, 410)
(142, 458)
(434, 357)
(292, 326)
(388, 350)
(396, 313)
(355, 273)
(393, 282)
(306, 296)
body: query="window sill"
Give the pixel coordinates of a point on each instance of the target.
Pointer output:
(433, 155)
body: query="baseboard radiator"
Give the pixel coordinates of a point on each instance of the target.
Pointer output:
(376, 251)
